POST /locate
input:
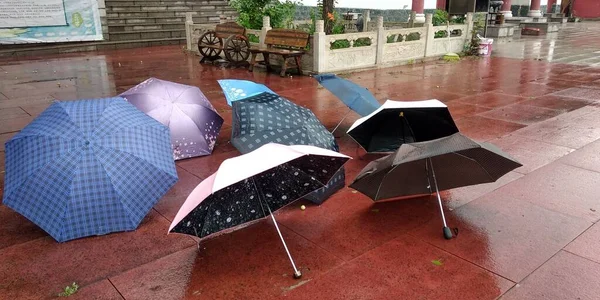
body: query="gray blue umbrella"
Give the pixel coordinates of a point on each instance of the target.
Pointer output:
(356, 97)
(268, 118)
(88, 167)
(192, 119)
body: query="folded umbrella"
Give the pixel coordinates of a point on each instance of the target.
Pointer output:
(449, 162)
(192, 119)
(235, 89)
(356, 97)
(253, 186)
(88, 167)
(269, 118)
(398, 122)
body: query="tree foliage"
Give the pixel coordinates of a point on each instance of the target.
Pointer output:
(251, 12)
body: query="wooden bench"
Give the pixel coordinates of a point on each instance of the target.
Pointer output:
(287, 43)
(236, 45)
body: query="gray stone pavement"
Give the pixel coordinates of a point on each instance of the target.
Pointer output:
(575, 43)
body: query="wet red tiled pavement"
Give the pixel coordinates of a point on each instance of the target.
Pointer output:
(531, 235)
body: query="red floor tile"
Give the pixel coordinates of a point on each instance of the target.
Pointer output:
(491, 100)
(587, 157)
(561, 188)
(4, 137)
(483, 129)
(251, 263)
(169, 204)
(16, 124)
(27, 101)
(460, 110)
(562, 104)
(101, 290)
(578, 76)
(557, 84)
(12, 113)
(41, 267)
(565, 276)
(164, 278)
(521, 114)
(404, 269)
(507, 236)
(580, 93)
(16, 229)
(530, 153)
(527, 90)
(587, 244)
(456, 198)
(574, 129)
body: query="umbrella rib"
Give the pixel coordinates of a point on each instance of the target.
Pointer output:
(112, 186)
(484, 169)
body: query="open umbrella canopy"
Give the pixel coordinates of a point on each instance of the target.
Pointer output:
(269, 118)
(236, 89)
(192, 119)
(88, 167)
(456, 160)
(399, 122)
(249, 186)
(356, 97)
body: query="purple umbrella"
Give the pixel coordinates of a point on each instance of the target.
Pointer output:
(193, 121)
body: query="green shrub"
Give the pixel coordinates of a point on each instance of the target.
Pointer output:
(251, 12)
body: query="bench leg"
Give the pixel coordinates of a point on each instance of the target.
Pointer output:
(252, 62)
(267, 61)
(283, 67)
(299, 64)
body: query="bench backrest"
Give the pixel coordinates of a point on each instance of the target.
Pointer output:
(287, 38)
(224, 30)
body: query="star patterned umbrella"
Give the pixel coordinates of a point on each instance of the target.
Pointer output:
(253, 186)
(192, 119)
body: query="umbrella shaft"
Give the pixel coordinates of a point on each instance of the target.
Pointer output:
(342, 120)
(282, 240)
(437, 192)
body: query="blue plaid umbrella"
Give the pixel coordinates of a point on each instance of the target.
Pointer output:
(88, 167)
(241, 89)
(356, 97)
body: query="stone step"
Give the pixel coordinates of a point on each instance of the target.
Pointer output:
(147, 34)
(204, 18)
(164, 8)
(46, 49)
(143, 27)
(165, 3)
(166, 14)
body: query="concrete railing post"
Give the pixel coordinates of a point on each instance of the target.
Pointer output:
(381, 40)
(429, 35)
(189, 21)
(319, 44)
(266, 26)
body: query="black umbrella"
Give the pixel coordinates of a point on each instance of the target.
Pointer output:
(269, 118)
(455, 160)
(399, 122)
(253, 186)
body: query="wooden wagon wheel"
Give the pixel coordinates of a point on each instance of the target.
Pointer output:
(237, 48)
(210, 38)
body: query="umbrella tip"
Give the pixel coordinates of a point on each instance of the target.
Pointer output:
(297, 275)
(447, 233)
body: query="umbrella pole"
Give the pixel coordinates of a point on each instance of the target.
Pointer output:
(447, 231)
(342, 120)
(297, 273)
